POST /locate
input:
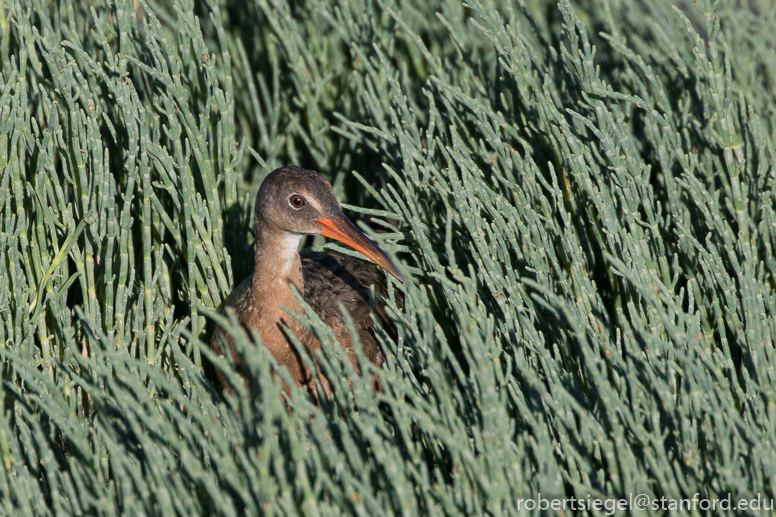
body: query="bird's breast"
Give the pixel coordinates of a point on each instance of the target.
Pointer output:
(272, 321)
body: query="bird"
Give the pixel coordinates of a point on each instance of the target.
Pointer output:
(293, 202)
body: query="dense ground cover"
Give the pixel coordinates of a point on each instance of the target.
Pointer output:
(581, 196)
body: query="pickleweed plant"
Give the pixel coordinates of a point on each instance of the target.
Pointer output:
(581, 196)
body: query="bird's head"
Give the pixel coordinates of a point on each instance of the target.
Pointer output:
(300, 201)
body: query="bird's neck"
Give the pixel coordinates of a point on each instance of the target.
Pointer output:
(277, 261)
(278, 267)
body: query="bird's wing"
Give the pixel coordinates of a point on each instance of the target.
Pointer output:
(332, 278)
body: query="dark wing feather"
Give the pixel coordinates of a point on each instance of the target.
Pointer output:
(331, 278)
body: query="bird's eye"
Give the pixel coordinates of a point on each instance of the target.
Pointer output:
(296, 201)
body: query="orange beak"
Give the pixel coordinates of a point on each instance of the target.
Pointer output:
(339, 227)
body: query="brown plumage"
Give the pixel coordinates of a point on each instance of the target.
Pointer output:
(293, 202)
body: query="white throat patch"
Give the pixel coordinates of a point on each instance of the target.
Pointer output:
(289, 249)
